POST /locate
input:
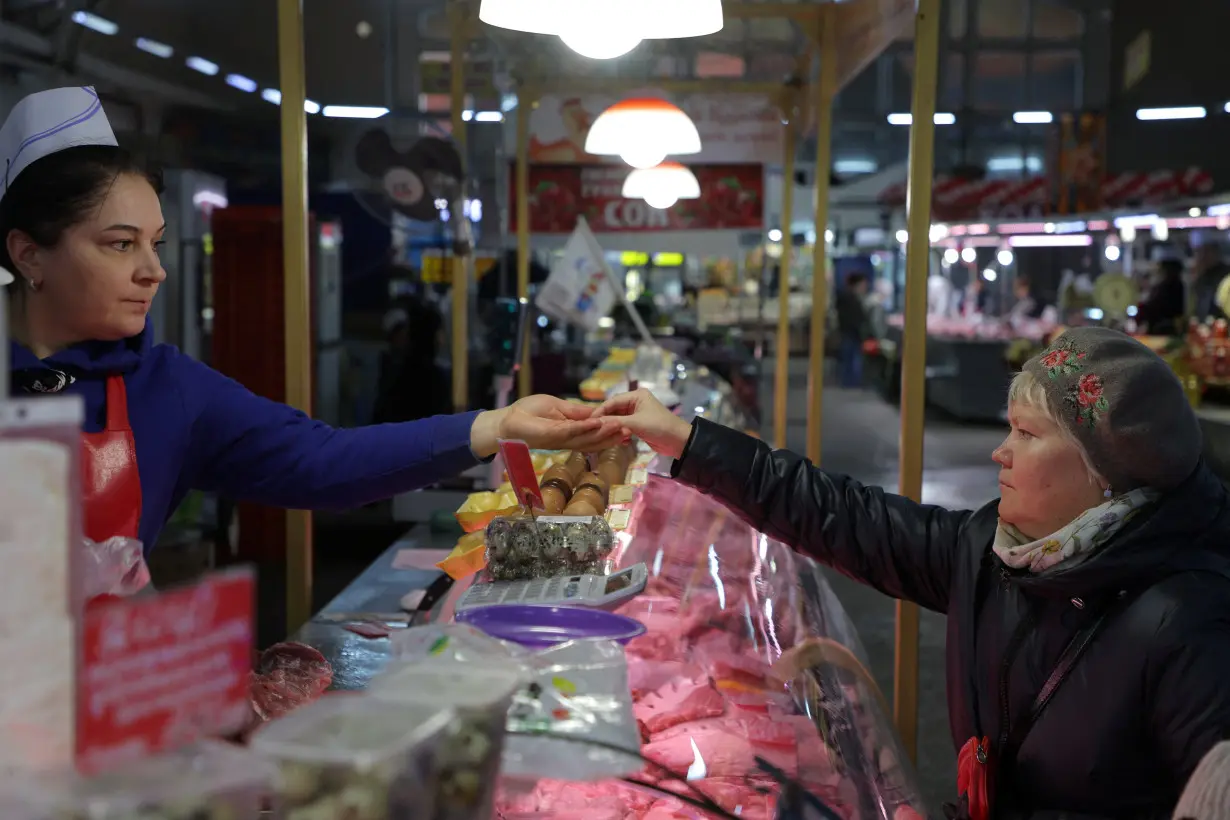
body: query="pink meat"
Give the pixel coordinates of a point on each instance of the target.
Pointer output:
(731, 666)
(726, 751)
(560, 798)
(677, 703)
(644, 676)
(764, 702)
(740, 796)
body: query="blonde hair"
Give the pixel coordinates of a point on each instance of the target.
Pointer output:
(1207, 795)
(1027, 391)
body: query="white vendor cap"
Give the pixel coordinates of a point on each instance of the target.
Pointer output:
(6, 278)
(47, 122)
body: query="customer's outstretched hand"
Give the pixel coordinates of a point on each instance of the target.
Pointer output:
(545, 423)
(643, 416)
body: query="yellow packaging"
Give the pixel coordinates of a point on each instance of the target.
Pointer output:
(479, 508)
(467, 558)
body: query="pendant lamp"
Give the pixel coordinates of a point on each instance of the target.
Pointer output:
(603, 29)
(643, 132)
(661, 186)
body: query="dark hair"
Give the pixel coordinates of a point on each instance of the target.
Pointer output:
(855, 279)
(1170, 268)
(59, 190)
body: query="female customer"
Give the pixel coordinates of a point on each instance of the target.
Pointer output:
(81, 228)
(1088, 651)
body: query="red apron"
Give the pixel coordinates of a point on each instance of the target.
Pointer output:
(110, 482)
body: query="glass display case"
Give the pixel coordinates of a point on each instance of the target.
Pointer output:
(750, 686)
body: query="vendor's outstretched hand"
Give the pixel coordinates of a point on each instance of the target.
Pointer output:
(544, 423)
(645, 417)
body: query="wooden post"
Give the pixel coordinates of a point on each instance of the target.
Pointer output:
(781, 378)
(458, 14)
(296, 288)
(825, 90)
(914, 341)
(525, 108)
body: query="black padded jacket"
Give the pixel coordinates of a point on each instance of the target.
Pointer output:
(1148, 698)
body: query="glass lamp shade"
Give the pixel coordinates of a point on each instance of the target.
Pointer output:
(598, 42)
(668, 180)
(530, 16)
(643, 131)
(661, 200)
(646, 19)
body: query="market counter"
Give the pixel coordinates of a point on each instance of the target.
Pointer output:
(729, 614)
(966, 377)
(375, 593)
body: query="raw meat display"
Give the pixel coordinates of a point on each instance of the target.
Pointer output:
(288, 676)
(749, 671)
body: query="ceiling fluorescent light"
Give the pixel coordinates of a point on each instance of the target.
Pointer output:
(272, 95)
(1033, 117)
(95, 23)
(354, 112)
(154, 47)
(1191, 112)
(1051, 241)
(202, 65)
(855, 166)
(467, 115)
(241, 82)
(489, 116)
(311, 107)
(941, 118)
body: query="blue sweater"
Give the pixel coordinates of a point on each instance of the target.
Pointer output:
(196, 429)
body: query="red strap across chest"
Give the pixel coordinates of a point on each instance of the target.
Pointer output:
(110, 478)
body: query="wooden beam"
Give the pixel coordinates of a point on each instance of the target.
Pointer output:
(297, 288)
(914, 341)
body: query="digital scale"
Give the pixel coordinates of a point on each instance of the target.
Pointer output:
(592, 591)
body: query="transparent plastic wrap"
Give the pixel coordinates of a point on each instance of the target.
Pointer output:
(468, 752)
(566, 697)
(524, 548)
(351, 756)
(750, 685)
(114, 568)
(209, 780)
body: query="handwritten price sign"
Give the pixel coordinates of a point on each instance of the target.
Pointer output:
(162, 671)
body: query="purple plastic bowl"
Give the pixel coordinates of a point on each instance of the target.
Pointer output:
(540, 626)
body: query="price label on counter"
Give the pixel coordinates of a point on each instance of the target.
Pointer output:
(161, 671)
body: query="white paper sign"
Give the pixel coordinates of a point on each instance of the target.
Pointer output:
(579, 290)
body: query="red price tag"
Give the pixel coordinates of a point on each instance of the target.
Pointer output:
(161, 671)
(520, 469)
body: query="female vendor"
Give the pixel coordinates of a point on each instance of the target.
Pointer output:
(80, 232)
(1088, 607)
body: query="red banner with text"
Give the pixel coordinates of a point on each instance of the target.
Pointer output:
(161, 671)
(731, 198)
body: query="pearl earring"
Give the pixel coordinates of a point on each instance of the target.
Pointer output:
(33, 285)
(1107, 493)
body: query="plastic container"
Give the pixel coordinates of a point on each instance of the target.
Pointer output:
(468, 757)
(538, 626)
(352, 756)
(209, 780)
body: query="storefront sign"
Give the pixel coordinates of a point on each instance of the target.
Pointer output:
(731, 198)
(734, 128)
(161, 671)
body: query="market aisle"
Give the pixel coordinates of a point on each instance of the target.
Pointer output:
(860, 440)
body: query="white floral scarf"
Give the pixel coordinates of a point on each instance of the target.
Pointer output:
(1078, 540)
